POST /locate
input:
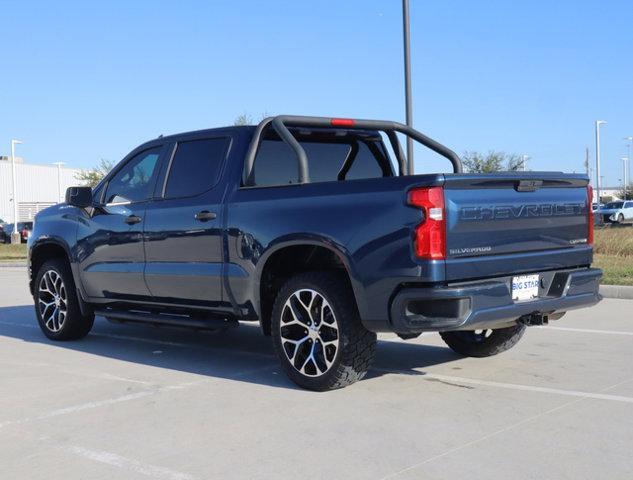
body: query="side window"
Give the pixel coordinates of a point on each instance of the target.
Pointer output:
(97, 192)
(628, 205)
(276, 163)
(135, 180)
(365, 163)
(195, 167)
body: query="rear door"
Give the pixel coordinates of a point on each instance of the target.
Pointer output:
(183, 234)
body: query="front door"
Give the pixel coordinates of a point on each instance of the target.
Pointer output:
(183, 233)
(110, 242)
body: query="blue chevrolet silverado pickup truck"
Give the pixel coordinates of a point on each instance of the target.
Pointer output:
(318, 229)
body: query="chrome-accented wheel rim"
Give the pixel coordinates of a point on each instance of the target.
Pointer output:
(52, 300)
(309, 332)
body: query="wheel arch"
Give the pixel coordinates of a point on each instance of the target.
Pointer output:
(44, 250)
(291, 257)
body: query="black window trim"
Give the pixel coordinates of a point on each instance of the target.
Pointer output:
(131, 156)
(223, 162)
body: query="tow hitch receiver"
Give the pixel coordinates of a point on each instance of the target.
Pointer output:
(533, 319)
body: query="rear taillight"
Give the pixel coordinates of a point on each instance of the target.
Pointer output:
(590, 214)
(430, 235)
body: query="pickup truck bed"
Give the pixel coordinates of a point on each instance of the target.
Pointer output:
(313, 228)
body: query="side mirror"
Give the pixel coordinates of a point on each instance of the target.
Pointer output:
(79, 196)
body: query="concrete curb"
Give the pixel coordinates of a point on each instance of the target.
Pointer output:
(616, 291)
(21, 263)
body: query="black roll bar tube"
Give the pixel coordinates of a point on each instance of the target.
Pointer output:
(281, 123)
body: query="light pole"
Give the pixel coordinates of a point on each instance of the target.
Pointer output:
(625, 176)
(15, 236)
(598, 177)
(524, 161)
(407, 80)
(59, 180)
(628, 166)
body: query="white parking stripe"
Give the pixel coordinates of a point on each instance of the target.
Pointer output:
(514, 386)
(587, 330)
(128, 464)
(494, 434)
(133, 396)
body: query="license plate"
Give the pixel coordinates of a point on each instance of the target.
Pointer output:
(525, 287)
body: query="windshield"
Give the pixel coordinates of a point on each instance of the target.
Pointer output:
(614, 205)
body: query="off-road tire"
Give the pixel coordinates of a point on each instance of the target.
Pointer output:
(356, 344)
(75, 325)
(621, 218)
(472, 344)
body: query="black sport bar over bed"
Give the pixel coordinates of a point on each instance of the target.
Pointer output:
(281, 123)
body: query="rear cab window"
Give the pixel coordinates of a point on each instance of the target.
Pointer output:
(332, 156)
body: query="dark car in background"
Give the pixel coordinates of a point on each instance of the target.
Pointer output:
(24, 229)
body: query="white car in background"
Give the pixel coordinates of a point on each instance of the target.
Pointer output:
(620, 212)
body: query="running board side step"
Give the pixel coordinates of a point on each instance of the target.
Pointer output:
(124, 316)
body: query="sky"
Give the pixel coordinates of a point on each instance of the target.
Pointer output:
(83, 81)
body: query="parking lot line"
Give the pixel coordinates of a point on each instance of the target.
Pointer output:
(131, 396)
(530, 388)
(514, 386)
(495, 433)
(479, 440)
(128, 464)
(587, 330)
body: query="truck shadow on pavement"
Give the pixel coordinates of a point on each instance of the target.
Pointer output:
(242, 354)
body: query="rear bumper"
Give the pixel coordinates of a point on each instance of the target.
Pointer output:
(488, 303)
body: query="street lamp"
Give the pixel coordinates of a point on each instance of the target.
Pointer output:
(59, 180)
(628, 167)
(598, 177)
(524, 161)
(625, 175)
(15, 236)
(407, 81)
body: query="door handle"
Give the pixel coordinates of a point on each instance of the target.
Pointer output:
(205, 215)
(132, 219)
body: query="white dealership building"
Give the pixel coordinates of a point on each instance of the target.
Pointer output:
(37, 187)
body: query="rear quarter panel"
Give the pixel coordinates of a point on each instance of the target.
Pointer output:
(366, 222)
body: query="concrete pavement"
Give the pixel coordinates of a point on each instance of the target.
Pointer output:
(139, 402)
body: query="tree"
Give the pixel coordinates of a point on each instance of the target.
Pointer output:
(626, 195)
(243, 119)
(475, 162)
(246, 118)
(92, 176)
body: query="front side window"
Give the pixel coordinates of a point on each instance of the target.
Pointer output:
(135, 181)
(195, 167)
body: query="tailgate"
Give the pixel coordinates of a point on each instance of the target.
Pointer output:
(515, 222)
